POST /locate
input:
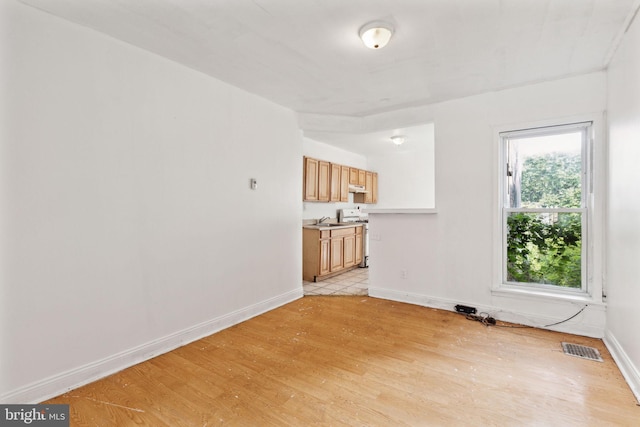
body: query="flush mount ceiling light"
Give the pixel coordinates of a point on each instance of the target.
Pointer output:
(376, 35)
(398, 139)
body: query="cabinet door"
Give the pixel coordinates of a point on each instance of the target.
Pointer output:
(335, 187)
(369, 188)
(362, 177)
(344, 183)
(374, 189)
(324, 184)
(349, 248)
(353, 176)
(337, 254)
(325, 252)
(359, 245)
(310, 179)
(368, 198)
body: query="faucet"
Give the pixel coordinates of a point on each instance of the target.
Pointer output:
(324, 218)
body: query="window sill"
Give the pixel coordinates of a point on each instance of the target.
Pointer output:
(508, 291)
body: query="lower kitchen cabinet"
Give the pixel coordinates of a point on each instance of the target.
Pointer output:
(325, 251)
(328, 252)
(359, 245)
(337, 254)
(349, 258)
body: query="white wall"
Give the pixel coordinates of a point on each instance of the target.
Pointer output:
(128, 225)
(450, 257)
(407, 178)
(321, 151)
(623, 246)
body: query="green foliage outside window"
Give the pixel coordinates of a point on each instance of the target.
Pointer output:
(551, 181)
(546, 247)
(540, 251)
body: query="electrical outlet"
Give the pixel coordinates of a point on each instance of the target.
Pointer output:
(375, 237)
(403, 274)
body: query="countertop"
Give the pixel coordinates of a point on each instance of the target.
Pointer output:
(333, 227)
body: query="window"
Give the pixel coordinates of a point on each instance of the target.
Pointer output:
(545, 207)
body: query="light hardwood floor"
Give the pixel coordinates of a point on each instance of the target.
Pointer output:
(356, 360)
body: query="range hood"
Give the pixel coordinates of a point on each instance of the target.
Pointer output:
(353, 188)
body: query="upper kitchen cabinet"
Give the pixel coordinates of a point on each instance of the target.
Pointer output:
(374, 188)
(370, 188)
(329, 182)
(336, 174)
(353, 176)
(344, 183)
(317, 182)
(339, 183)
(362, 177)
(324, 181)
(357, 176)
(310, 190)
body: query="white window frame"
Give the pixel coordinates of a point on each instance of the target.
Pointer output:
(592, 220)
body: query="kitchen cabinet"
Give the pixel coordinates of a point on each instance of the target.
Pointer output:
(324, 181)
(349, 251)
(316, 253)
(329, 182)
(327, 252)
(353, 176)
(317, 184)
(374, 188)
(310, 188)
(362, 174)
(368, 186)
(344, 183)
(371, 188)
(359, 245)
(337, 254)
(335, 187)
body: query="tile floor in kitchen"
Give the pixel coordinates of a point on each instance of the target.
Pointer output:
(353, 282)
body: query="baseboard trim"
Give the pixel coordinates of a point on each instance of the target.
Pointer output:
(571, 327)
(77, 377)
(629, 370)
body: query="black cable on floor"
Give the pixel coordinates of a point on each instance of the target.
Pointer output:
(487, 320)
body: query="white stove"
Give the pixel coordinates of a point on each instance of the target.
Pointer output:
(356, 216)
(352, 215)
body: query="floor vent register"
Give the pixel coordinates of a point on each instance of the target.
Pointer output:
(582, 351)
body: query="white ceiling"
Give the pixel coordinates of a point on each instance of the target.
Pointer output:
(306, 54)
(379, 143)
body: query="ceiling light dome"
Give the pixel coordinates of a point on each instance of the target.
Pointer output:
(376, 35)
(398, 139)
